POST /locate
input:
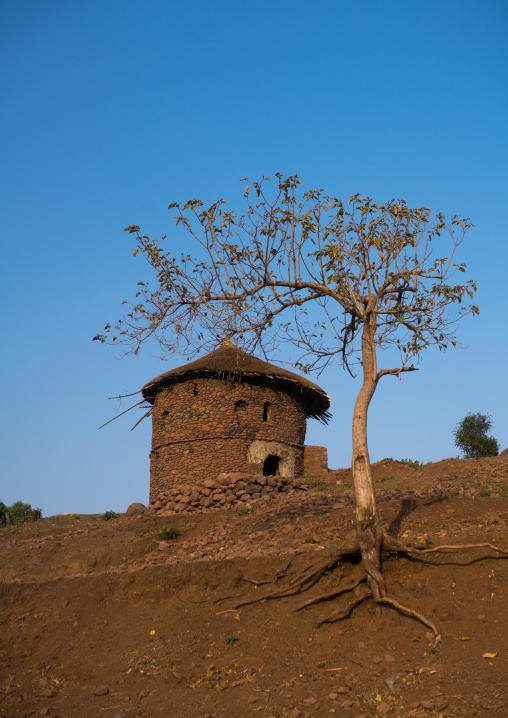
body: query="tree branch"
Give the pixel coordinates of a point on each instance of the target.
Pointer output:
(395, 372)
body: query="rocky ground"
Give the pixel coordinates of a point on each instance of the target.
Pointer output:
(114, 618)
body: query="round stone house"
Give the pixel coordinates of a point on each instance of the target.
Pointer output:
(227, 412)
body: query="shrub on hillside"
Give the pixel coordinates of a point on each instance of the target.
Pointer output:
(471, 437)
(19, 513)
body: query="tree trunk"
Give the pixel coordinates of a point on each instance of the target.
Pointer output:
(368, 528)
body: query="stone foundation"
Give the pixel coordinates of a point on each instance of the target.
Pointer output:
(233, 488)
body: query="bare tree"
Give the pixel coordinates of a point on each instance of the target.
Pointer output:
(337, 281)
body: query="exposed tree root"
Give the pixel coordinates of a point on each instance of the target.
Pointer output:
(312, 573)
(283, 570)
(393, 544)
(408, 612)
(385, 601)
(255, 583)
(308, 577)
(340, 615)
(381, 600)
(376, 590)
(452, 548)
(331, 594)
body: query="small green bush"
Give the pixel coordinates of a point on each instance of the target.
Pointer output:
(232, 638)
(168, 533)
(413, 464)
(318, 484)
(245, 510)
(109, 515)
(471, 436)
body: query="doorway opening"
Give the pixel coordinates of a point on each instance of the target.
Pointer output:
(271, 466)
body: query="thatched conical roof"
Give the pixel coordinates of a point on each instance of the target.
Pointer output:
(231, 362)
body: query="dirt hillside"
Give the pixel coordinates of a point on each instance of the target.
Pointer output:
(105, 618)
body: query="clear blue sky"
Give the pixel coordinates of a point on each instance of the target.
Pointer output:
(113, 109)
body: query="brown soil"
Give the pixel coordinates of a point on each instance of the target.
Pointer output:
(102, 618)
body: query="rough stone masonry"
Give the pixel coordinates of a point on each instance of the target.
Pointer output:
(228, 490)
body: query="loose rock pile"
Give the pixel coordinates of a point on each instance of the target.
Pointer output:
(228, 490)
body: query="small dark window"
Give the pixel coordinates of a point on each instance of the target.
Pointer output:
(240, 412)
(267, 411)
(271, 465)
(195, 389)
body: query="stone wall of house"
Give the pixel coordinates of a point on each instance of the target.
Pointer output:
(315, 461)
(227, 491)
(203, 427)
